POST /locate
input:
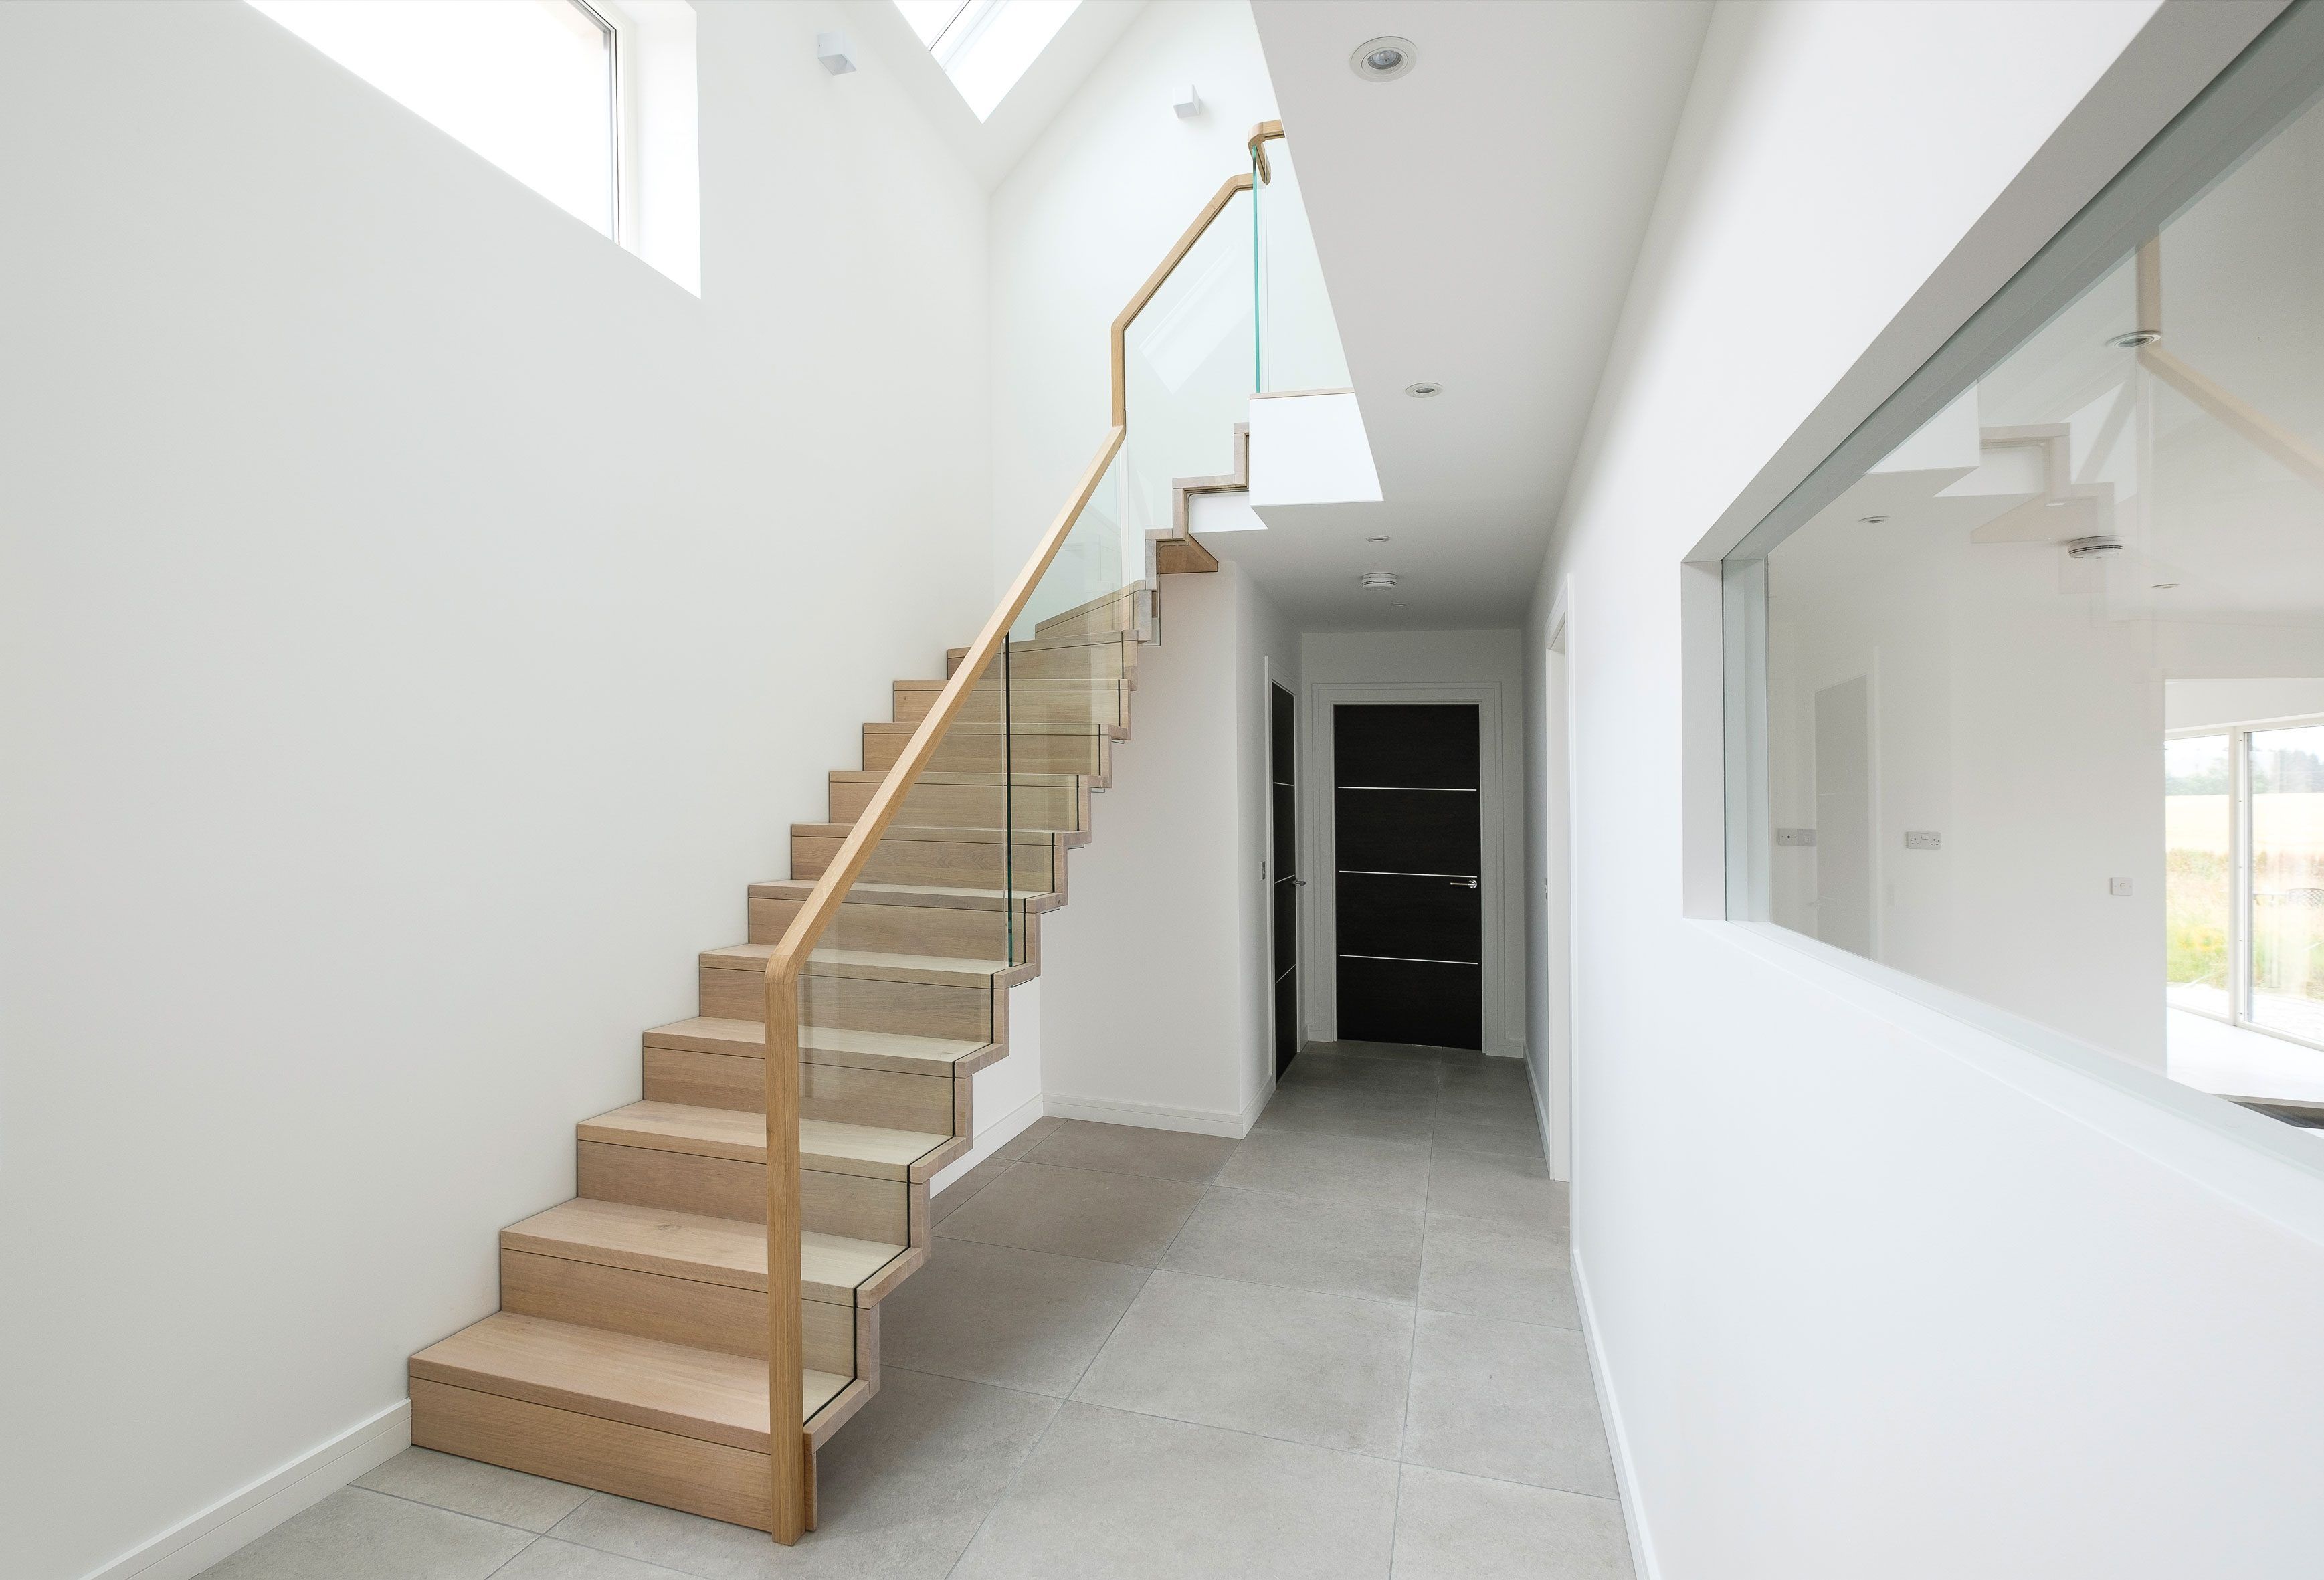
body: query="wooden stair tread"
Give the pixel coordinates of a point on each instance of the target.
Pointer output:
(688, 1245)
(947, 833)
(616, 1376)
(1039, 643)
(870, 964)
(1031, 776)
(936, 896)
(739, 1134)
(875, 1050)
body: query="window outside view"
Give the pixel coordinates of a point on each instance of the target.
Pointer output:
(528, 84)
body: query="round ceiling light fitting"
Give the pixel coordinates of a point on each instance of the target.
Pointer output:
(1377, 581)
(2097, 548)
(2164, 587)
(1871, 520)
(1381, 59)
(1375, 539)
(1423, 389)
(2136, 338)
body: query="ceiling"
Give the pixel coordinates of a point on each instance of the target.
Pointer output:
(1477, 220)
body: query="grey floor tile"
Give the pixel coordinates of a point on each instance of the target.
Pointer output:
(358, 1532)
(1462, 1528)
(901, 1491)
(1026, 1139)
(1120, 1149)
(1330, 1168)
(956, 1195)
(1479, 1268)
(551, 1560)
(1072, 1212)
(992, 1314)
(1131, 1497)
(1505, 1400)
(464, 1486)
(1385, 1117)
(1490, 1080)
(1344, 1072)
(1340, 1248)
(1499, 1185)
(1513, 1130)
(1408, 1052)
(1323, 1369)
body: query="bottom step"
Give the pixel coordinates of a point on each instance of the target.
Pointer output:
(662, 1423)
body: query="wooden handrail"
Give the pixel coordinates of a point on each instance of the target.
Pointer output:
(789, 1450)
(786, 1438)
(1265, 132)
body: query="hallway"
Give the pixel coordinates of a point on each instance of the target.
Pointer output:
(1345, 1346)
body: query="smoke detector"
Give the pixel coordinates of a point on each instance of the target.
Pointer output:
(2097, 548)
(1373, 581)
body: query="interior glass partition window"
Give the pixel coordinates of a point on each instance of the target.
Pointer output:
(1949, 652)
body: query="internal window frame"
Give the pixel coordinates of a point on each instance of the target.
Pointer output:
(2281, 71)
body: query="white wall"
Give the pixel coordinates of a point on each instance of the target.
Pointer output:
(1154, 980)
(1082, 221)
(2189, 705)
(1351, 666)
(1874, 1289)
(423, 619)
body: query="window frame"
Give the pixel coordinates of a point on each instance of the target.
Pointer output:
(2240, 986)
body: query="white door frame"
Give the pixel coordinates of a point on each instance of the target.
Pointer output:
(1497, 895)
(1554, 1078)
(1267, 681)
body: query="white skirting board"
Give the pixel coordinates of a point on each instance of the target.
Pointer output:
(1200, 1122)
(1625, 1477)
(234, 1522)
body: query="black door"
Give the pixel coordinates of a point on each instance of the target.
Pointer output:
(1408, 848)
(1285, 882)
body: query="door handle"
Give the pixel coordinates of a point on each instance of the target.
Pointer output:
(1465, 882)
(1299, 882)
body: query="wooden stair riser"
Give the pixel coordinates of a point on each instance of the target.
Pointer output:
(714, 1480)
(1129, 613)
(1100, 659)
(675, 1310)
(844, 1096)
(853, 1205)
(959, 934)
(920, 1009)
(947, 804)
(1099, 703)
(989, 751)
(1037, 865)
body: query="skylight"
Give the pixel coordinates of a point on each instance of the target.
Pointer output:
(985, 45)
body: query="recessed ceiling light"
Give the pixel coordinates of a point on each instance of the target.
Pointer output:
(1381, 59)
(2134, 339)
(1871, 520)
(1422, 390)
(2096, 548)
(1375, 581)
(1375, 539)
(2164, 587)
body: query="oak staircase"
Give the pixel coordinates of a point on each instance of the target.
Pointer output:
(646, 1335)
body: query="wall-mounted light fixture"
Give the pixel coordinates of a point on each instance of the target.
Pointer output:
(837, 55)
(1189, 106)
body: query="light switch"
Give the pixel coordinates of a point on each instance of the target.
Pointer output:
(2119, 887)
(1795, 836)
